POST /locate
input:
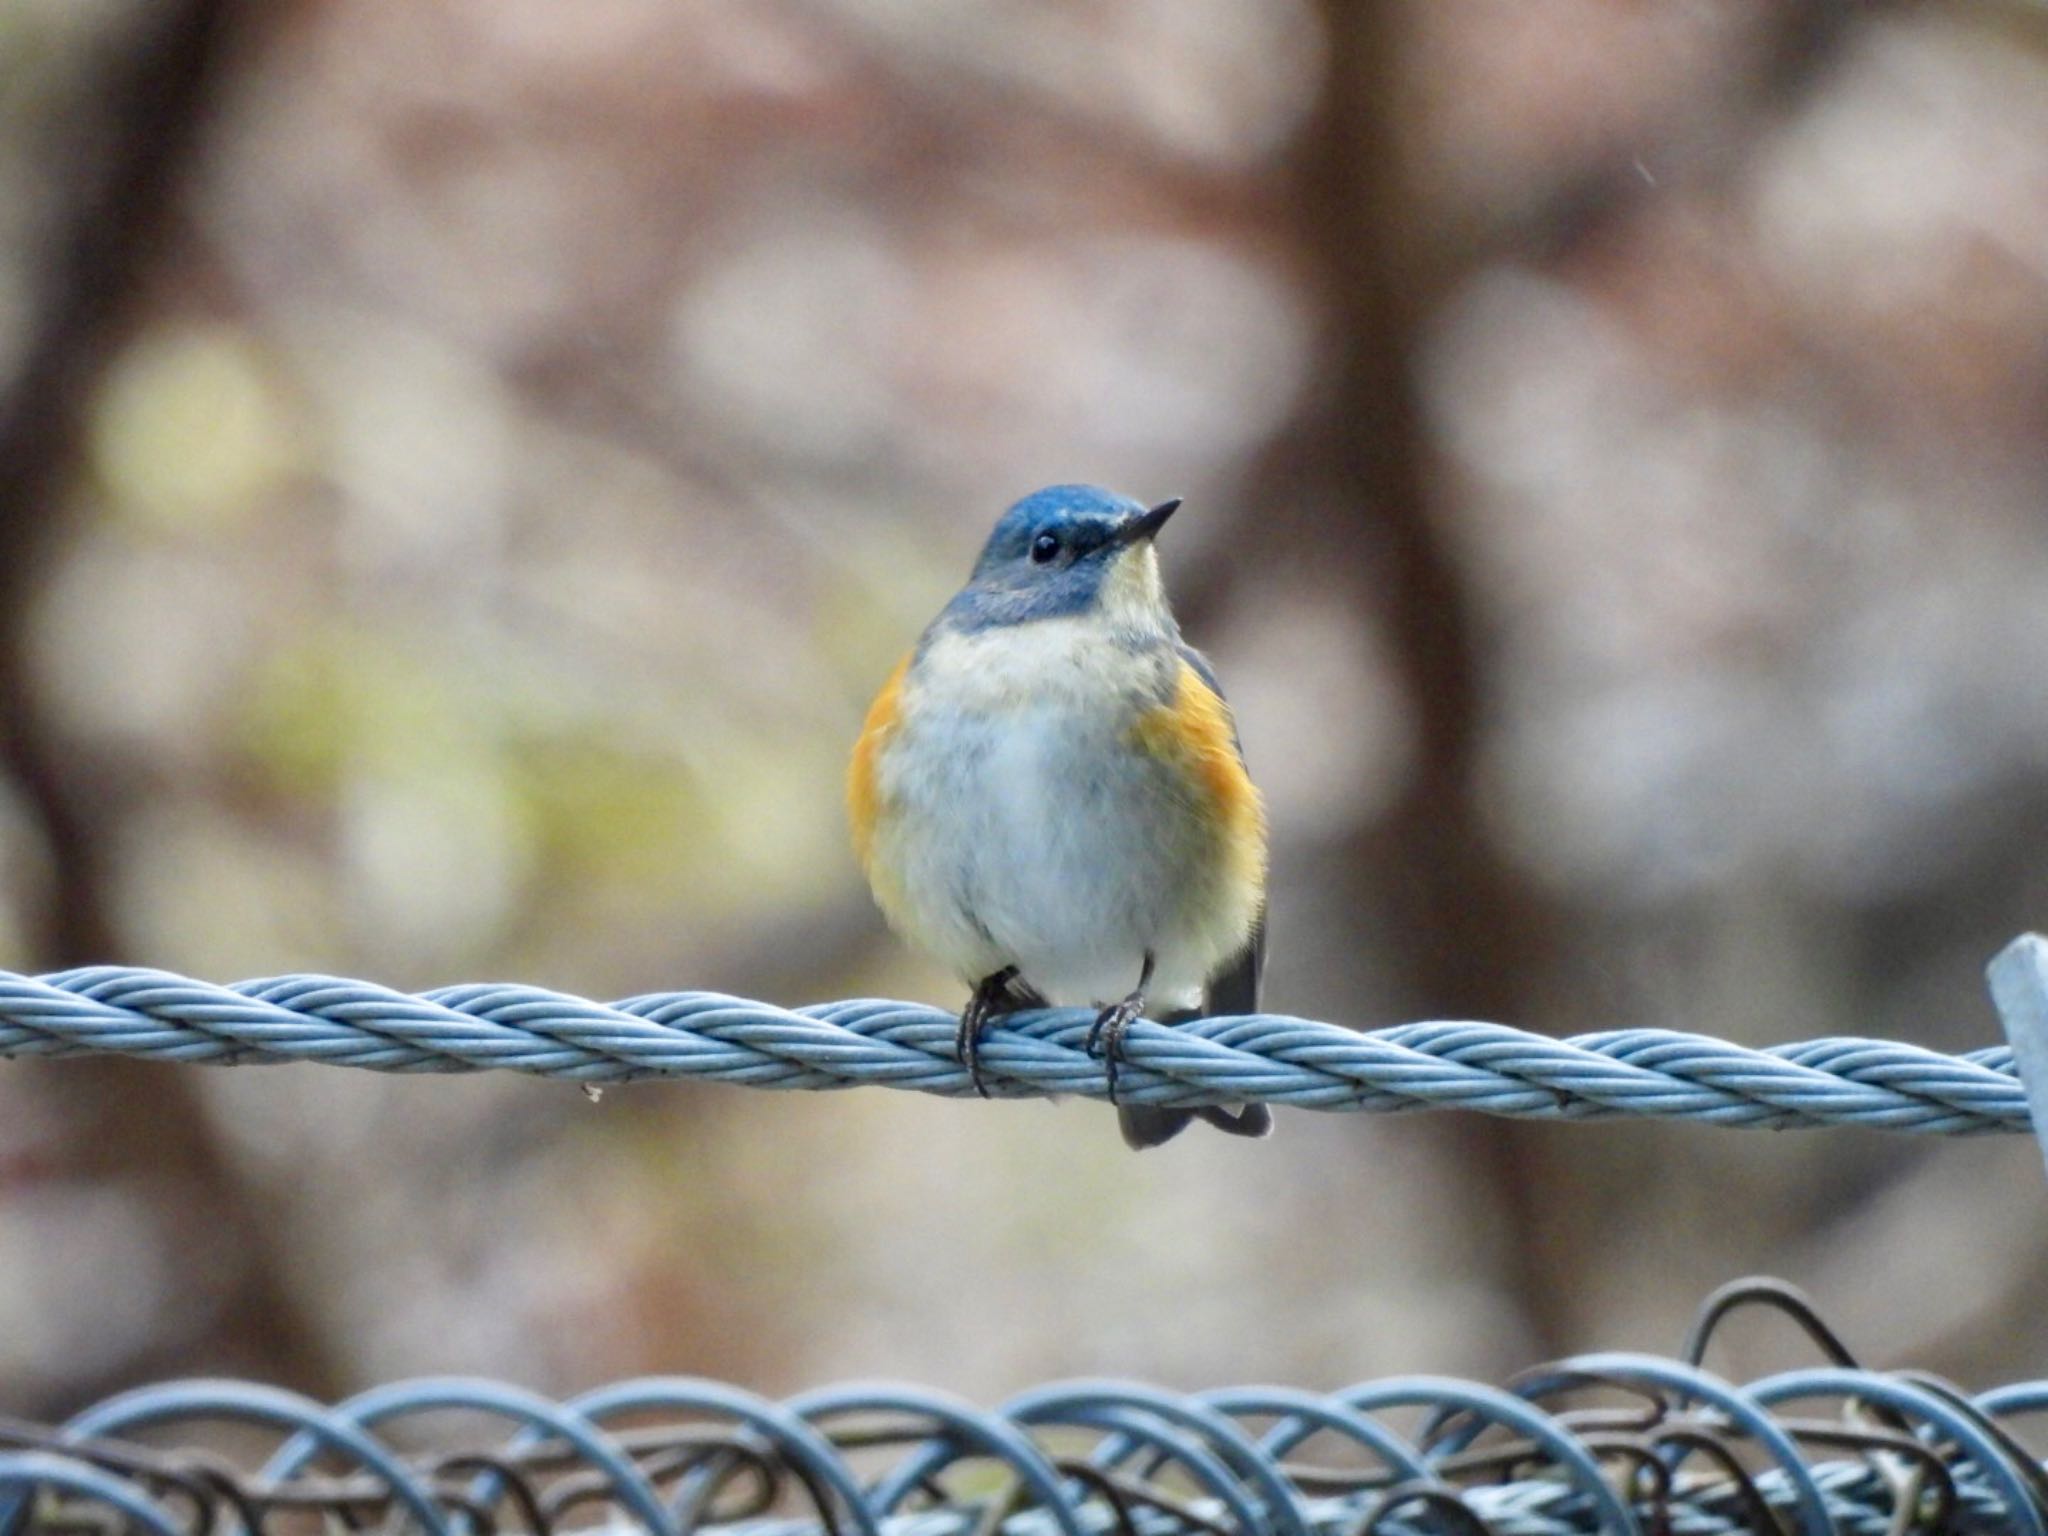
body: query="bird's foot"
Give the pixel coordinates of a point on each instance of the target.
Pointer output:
(991, 998)
(1109, 1029)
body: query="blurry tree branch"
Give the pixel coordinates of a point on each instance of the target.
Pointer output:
(1474, 935)
(134, 134)
(154, 109)
(1468, 928)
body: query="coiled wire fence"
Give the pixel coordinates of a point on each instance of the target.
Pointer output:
(1620, 1444)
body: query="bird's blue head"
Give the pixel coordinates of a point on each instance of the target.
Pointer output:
(1066, 551)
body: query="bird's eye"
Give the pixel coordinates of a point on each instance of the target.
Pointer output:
(1044, 547)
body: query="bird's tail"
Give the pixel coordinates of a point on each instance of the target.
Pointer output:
(1236, 991)
(1144, 1126)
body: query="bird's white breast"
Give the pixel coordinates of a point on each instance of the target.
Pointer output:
(1024, 826)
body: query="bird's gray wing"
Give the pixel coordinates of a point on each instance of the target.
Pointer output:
(1207, 674)
(1233, 990)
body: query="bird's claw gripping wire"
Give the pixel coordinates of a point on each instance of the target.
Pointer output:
(1109, 1029)
(991, 997)
(1114, 1022)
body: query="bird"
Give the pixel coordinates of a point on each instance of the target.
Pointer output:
(1049, 795)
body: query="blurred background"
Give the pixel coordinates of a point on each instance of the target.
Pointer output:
(465, 466)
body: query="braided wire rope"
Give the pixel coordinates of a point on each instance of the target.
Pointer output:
(1597, 1445)
(1272, 1058)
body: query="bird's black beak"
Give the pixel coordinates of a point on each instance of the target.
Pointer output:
(1143, 528)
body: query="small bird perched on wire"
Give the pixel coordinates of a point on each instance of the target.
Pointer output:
(1050, 798)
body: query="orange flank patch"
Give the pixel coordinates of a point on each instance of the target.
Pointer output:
(863, 792)
(1194, 733)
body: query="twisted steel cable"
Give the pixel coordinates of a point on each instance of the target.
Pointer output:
(1269, 1057)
